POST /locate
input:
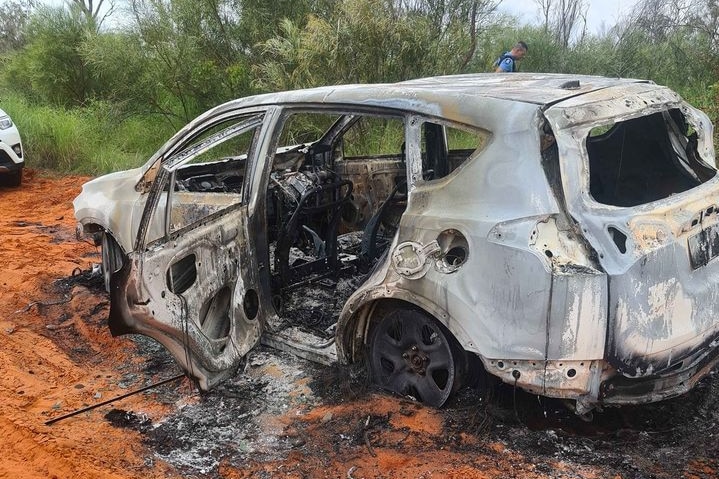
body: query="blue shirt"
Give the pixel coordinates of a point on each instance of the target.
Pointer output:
(506, 62)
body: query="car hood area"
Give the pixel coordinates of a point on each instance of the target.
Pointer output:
(106, 201)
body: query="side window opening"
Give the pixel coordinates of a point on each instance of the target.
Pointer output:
(336, 192)
(373, 137)
(206, 177)
(209, 175)
(644, 159)
(305, 128)
(445, 148)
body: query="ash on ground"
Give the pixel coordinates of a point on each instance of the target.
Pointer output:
(90, 278)
(671, 439)
(317, 306)
(238, 419)
(245, 418)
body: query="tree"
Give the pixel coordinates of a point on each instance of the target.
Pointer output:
(363, 41)
(545, 9)
(260, 20)
(563, 18)
(51, 66)
(92, 10)
(462, 20)
(14, 16)
(681, 35)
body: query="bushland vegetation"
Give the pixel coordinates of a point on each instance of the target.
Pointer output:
(97, 85)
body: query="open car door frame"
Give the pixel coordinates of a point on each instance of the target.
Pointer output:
(195, 290)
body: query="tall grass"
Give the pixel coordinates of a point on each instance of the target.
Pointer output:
(93, 140)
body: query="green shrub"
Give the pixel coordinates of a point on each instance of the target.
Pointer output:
(92, 140)
(706, 98)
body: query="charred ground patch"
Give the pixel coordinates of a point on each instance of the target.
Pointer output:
(279, 408)
(669, 439)
(241, 420)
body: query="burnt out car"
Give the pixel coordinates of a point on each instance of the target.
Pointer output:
(559, 232)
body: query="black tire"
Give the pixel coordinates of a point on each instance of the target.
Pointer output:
(112, 258)
(15, 178)
(411, 354)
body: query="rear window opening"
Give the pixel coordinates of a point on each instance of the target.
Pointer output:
(444, 148)
(644, 159)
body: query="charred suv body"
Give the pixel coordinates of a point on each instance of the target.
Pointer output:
(561, 229)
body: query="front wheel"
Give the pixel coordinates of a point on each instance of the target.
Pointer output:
(112, 258)
(411, 354)
(15, 178)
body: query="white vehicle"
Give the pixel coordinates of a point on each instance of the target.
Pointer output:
(11, 153)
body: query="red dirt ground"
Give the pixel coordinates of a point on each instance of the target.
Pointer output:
(58, 358)
(38, 380)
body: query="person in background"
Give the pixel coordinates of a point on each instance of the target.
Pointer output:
(507, 63)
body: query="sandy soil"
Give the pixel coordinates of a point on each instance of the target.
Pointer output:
(279, 417)
(56, 358)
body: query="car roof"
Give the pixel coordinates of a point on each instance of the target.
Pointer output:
(538, 88)
(535, 88)
(492, 101)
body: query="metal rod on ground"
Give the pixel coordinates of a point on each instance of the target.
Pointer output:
(89, 408)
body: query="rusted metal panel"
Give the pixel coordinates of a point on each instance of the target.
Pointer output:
(209, 339)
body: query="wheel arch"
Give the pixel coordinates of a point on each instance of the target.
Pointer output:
(92, 228)
(105, 239)
(362, 311)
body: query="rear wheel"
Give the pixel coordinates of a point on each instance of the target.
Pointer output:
(413, 355)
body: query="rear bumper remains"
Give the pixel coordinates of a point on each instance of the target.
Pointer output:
(674, 381)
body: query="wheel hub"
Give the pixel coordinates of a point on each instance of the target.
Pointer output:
(416, 360)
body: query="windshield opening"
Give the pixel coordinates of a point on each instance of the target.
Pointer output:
(644, 159)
